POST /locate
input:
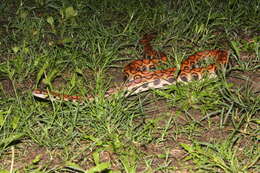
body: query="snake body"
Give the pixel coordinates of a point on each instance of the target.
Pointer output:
(142, 76)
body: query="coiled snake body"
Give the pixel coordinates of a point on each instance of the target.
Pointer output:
(141, 77)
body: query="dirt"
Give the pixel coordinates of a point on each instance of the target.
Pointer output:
(167, 149)
(7, 87)
(28, 155)
(246, 79)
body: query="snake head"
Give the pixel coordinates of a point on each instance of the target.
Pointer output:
(40, 93)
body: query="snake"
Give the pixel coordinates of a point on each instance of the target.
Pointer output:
(142, 75)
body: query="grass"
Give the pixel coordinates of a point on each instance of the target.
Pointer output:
(80, 47)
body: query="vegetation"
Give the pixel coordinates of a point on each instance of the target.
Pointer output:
(80, 47)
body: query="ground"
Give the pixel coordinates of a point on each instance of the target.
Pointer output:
(81, 48)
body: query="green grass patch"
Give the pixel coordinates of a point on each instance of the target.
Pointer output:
(79, 48)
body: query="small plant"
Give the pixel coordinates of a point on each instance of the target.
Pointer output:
(219, 157)
(80, 47)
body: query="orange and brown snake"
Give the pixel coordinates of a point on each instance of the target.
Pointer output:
(141, 75)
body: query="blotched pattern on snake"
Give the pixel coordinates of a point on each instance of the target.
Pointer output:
(142, 76)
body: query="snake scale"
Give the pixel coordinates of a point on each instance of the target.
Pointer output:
(142, 75)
